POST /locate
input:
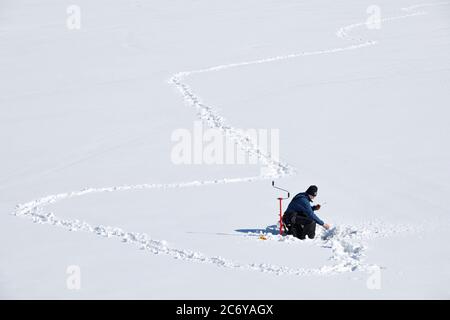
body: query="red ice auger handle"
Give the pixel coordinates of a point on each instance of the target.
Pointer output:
(280, 199)
(288, 194)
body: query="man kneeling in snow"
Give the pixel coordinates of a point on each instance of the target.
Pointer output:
(299, 218)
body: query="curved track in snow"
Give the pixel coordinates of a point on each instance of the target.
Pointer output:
(345, 242)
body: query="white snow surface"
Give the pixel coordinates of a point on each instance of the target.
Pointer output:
(363, 113)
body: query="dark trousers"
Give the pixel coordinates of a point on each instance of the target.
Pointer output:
(301, 226)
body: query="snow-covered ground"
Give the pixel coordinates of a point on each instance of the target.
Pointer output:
(359, 92)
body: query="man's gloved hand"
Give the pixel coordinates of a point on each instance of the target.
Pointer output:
(316, 207)
(326, 226)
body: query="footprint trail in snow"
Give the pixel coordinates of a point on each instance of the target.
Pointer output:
(346, 243)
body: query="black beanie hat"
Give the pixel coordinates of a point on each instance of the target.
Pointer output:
(312, 190)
